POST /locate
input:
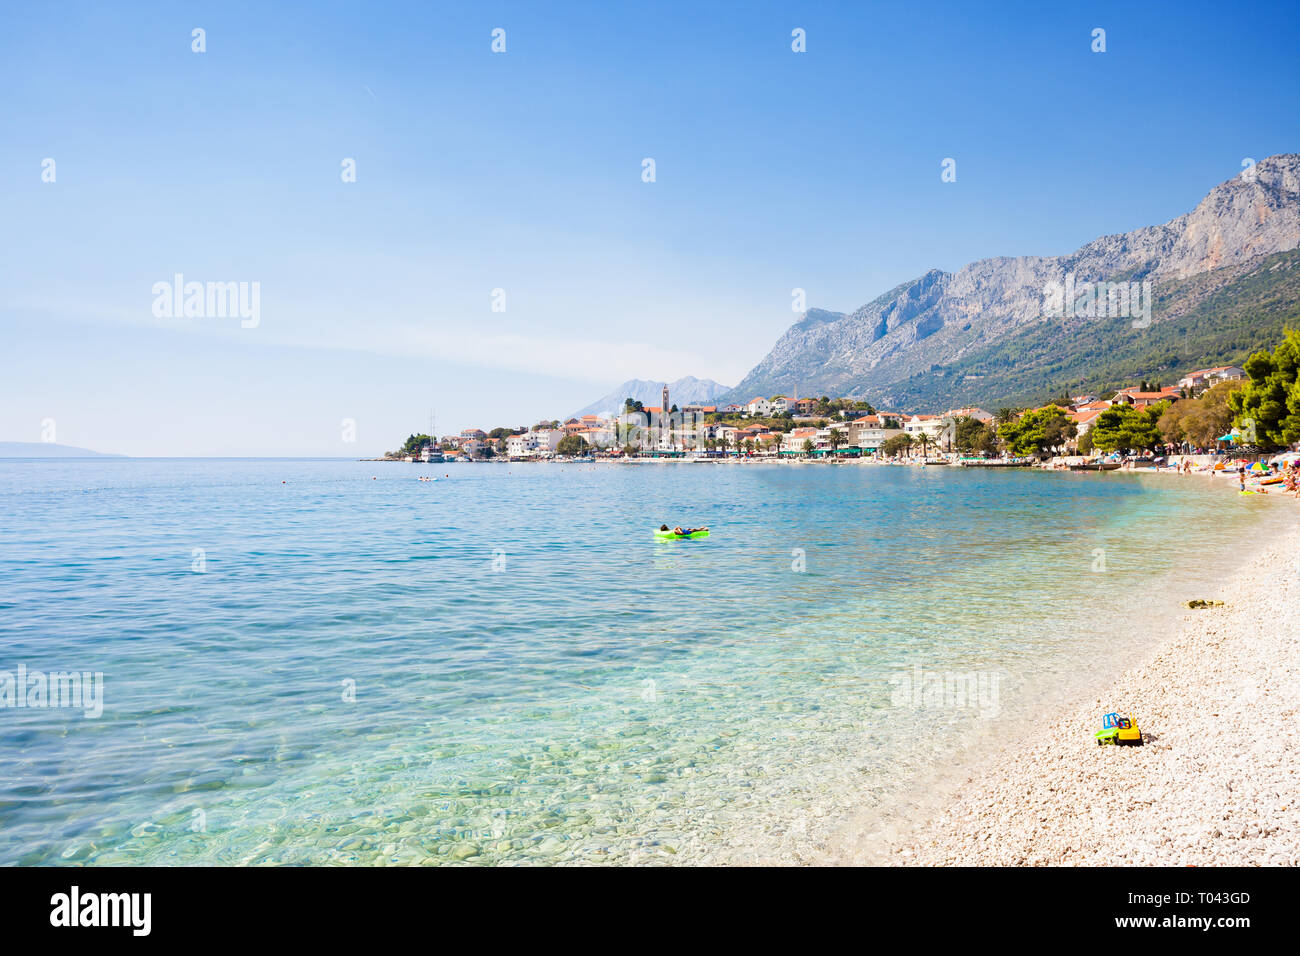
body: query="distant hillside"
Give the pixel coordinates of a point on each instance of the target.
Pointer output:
(685, 391)
(42, 449)
(1222, 278)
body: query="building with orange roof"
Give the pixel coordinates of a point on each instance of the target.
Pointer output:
(1084, 419)
(793, 440)
(1140, 399)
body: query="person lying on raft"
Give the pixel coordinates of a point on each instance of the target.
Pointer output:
(680, 530)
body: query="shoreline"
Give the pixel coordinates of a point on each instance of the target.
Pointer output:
(1214, 784)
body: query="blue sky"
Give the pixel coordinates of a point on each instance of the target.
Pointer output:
(522, 171)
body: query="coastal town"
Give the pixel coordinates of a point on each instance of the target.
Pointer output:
(1190, 416)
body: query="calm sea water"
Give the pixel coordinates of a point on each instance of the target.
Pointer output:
(504, 667)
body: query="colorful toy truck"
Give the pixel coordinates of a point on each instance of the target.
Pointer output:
(1119, 730)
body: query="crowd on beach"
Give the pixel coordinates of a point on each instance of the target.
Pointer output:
(1277, 477)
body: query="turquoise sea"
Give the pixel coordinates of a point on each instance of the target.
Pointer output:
(332, 662)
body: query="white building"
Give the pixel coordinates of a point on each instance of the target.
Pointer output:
(793, 439)
(758, 408)
(598, 436)
(536, 444)
(931, 426)
(1205, 377)
(521, 446)
(548, 439)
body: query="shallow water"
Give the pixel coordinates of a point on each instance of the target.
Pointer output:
(503, 666)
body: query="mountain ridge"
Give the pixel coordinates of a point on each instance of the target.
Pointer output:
(943, 319)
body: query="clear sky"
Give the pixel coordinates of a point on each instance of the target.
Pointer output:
(522, 171)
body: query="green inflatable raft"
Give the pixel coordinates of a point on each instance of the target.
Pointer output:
(670, 536)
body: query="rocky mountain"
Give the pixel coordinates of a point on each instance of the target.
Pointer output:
(685, 391)
(943, 336)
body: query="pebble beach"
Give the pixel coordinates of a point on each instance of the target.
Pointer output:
(1216, 782)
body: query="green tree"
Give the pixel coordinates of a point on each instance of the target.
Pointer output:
(835, 438)
(1267, 409)
(1123, 427)
(972, 436)
(1200, 420)
(808, 446)
(895, 445)
(1038, 431)
(573, 446)
(415, 444)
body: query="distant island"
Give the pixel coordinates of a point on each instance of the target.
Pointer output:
(46, 449)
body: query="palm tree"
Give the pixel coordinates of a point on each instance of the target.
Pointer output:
(835, 438)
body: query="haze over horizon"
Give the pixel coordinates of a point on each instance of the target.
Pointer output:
(522, 172)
